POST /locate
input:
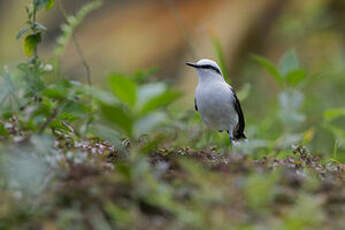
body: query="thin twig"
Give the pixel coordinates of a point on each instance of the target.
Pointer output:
(34, 30)
(88, 75)
(52, 117)
(82, 58)
(78, 48)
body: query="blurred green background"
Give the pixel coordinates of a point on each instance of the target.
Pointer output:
(124, 36)
(130, 152)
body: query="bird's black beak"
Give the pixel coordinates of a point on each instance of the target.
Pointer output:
(194, 65)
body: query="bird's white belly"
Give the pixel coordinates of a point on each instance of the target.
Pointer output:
(215, 105)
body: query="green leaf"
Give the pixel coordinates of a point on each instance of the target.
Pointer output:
(295, 77)
(3, 130)
(23, 31)
(269, 67)
(56, 92)
(159, 101)
(41, 110)
(39, 27)
(107, 133)
(332, 114)
(148, 91)
(39, 3)
(147, 123)
(338, 133)
(30, 43)
(69, 117)
(289, 63)
(48, 4)
(76, 108)
(141, 76)
(119, 117)
(151, 144)
(124, 88)
(103, 96)
(291, 102)
(57, 124)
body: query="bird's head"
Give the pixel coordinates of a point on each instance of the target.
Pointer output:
(207, 69)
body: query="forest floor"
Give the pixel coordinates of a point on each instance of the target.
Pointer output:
(92, 183)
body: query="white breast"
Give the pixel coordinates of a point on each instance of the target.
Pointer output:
(215, 104)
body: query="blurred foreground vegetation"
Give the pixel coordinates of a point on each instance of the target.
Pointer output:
(74, 156)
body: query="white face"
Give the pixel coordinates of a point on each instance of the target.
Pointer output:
(207, 70)
(208, 62)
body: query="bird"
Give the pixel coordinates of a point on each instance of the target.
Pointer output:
(217, 102)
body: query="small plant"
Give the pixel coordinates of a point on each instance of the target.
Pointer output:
(289, 74)
(55, 173)
(330, 118)
(291, 78)
(33, 69)
(72, 22)
(44, 104)
(34, 28)
(136, 109)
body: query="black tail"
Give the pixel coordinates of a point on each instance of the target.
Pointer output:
(238, 133)
(239, 136)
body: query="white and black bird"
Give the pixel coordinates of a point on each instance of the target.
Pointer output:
(217, 102)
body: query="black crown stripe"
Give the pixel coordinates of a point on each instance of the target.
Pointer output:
(210, 67)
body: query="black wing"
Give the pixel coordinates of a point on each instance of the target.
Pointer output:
(195, 105)
(239, 130)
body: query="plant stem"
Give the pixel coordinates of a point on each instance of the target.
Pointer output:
(52, 116)
(82, 58)
(34, 13)
(77, 46)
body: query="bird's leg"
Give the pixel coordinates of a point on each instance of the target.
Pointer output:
(231, 141)
(225, 147)
(231, 145)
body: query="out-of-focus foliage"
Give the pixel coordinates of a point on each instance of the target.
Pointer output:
(290, 77)
(32, 40)
(72, 23)
(135, 110)
(74, 156)
(330, 116)
(289, 74)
